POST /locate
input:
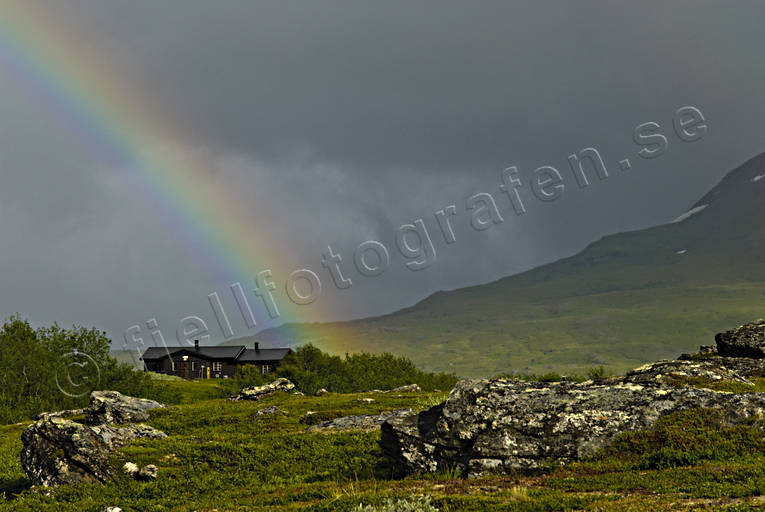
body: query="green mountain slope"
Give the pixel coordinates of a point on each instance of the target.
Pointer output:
(624, 300)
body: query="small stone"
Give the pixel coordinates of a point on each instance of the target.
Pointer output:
(365, 400)
(320, 392)
(148, 472)
(268, 411)
(130, 468)
(112, 509)
(308, 418)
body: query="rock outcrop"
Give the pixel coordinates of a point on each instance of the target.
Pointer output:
(409, 388)
(505, 424)
(58, 451)
(670, 372)
(745, 341)
(363, 423)
(258, 392)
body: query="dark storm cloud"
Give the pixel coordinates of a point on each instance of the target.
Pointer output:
(350, 119)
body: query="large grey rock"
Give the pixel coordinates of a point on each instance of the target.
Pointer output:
(57, 451)
(114, 407)
(504, 424)
(745, 341)
(258, 392)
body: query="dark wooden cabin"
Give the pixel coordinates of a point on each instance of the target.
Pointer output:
(215, 362)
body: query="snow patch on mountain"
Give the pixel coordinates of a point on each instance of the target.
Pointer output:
(758, 178)
(689, 213)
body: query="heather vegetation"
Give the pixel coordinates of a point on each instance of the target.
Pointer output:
(219, 457)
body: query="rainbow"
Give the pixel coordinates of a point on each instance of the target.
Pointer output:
(117, 121)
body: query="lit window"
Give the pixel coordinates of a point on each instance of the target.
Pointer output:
(217, 367)
(266, 368)
(193, 366)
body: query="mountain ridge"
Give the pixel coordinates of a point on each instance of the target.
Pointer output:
(705, 270)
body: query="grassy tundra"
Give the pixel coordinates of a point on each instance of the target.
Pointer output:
(219, 458)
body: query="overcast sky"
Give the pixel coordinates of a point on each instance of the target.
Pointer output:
(350, 119)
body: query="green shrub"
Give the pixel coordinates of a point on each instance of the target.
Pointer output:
(687, 438)
(310, 369)
(596, 373)
(51, 368)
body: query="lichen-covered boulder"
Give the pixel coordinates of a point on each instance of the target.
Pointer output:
(58, 451)
(114, 407)
(506, 424)
(258, 392)
(745, 341)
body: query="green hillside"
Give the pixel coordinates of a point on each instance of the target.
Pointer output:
(624, 300)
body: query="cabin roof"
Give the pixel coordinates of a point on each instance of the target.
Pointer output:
(237, 352)
(204, 352)
(264, 354)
